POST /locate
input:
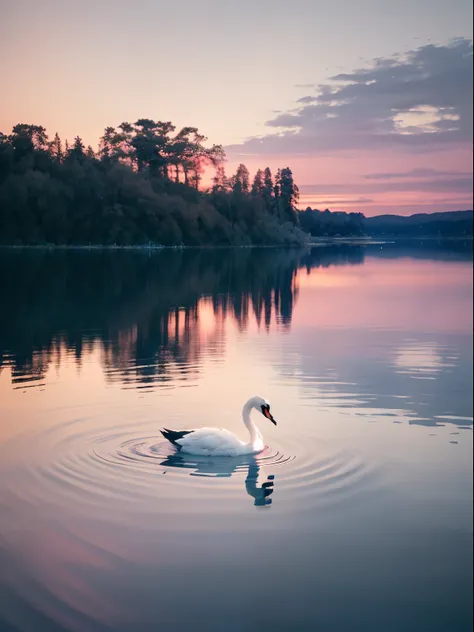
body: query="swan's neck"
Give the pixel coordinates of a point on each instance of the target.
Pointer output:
(255, 436)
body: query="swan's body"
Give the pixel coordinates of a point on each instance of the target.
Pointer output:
(220, 442)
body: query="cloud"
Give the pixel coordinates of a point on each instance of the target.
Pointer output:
(420, 101)
(416, 173)
(339, 202)
(306, 100)
(448, 185)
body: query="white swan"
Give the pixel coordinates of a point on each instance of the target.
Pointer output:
(220, 442)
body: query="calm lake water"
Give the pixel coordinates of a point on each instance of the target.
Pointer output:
(366, 357)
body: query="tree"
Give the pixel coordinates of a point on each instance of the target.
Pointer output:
(107, 143)
(258, 184)
(26, 138)
(56, 149)
(77, 151)
(288, 195)
(162, 131)
(192, 155)
(144, 144)
(6, 157)
(151, 144)
(331, 224)
(115, 146)
(220, 182)
(276, 194)
(130, 192)
(241, 180)
(268, 189)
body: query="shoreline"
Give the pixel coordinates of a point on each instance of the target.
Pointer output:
(155, 248)
(315, 242)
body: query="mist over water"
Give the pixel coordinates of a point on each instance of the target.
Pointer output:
(358, 513)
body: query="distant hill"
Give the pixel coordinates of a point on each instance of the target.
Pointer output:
(340, 224)
(449, 224)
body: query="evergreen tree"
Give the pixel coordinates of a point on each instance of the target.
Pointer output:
(131, 191)
(241, 180)
(288, 195)
(56, 149)
(276, 194)
(220, 183)
(77, 151)
(268, 189)
(258, 184)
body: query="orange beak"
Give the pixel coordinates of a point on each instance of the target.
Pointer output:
(266, 412)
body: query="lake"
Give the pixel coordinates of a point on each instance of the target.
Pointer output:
(356, 516)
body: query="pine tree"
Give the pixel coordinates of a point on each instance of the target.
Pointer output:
(288, 194)
(220, 183)
(268, 189)
(77, 151)
(276, 193)
(257, 185)
(241, 180)
(56, 149)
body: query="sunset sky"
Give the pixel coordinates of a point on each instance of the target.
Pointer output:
(369, 102)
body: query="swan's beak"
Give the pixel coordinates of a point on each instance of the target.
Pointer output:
(266, 412)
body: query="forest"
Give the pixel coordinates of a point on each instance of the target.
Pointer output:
(332, 224)
(142, 186)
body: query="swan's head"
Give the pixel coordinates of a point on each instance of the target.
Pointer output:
(264, 407)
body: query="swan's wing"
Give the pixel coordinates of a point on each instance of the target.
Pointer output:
(174, 436)
(210, 440)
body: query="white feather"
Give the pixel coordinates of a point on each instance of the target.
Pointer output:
(221, 442)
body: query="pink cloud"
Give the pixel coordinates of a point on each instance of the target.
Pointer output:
(408, 115)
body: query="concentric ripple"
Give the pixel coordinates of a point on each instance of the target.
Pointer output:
(106, 498)
(77, 466)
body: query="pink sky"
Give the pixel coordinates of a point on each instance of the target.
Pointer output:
(331, 171)
(386, 91)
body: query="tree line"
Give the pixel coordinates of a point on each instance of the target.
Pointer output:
(143, 185)
(339, 224)
(332, 224)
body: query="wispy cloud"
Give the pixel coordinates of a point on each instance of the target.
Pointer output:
(451, 185)
(417, 173)
(417, 102)
(338, 201)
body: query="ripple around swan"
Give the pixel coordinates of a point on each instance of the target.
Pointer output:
(81, 469)
(100, 498)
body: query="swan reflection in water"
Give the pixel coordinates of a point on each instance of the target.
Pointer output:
(225, 467)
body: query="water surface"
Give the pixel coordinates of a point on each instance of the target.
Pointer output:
(357, 515)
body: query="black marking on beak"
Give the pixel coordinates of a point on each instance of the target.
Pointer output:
(266, 413)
